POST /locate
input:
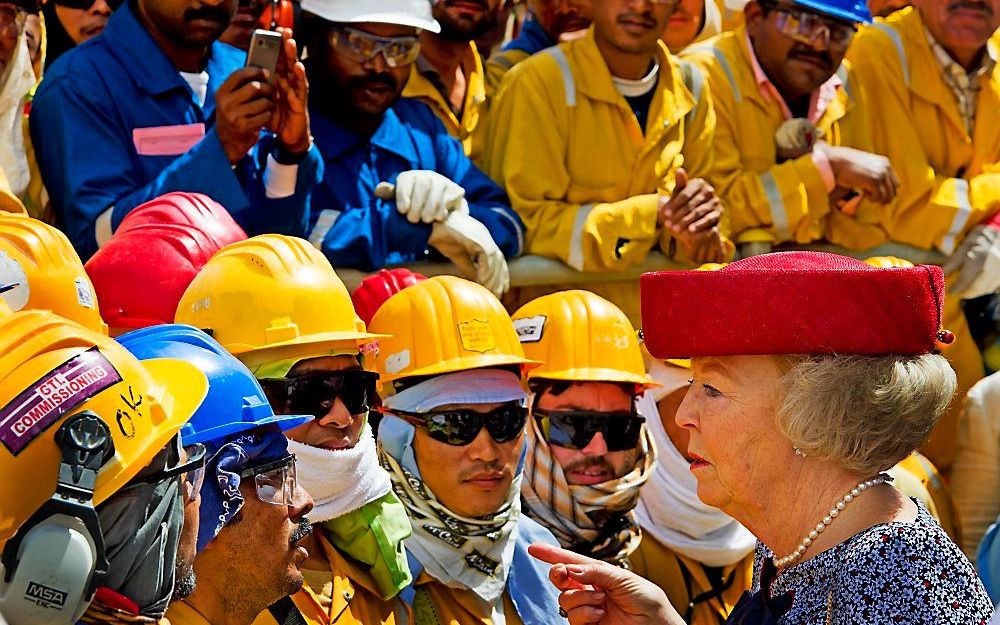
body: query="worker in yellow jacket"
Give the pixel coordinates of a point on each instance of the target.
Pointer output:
(449, 76)
(792, 139)
(277, 305)
(589, 148)
(931, 75)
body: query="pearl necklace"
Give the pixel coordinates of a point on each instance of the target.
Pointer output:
(827, 520)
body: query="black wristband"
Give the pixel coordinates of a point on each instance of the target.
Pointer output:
(284, 157)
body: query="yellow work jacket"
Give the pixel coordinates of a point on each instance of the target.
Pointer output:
(180, 613)
(355, 597)
(577, 167)
(950, 180)
(686, 582)
(437, 604)
(788, 199)
(470, 128)
(498, 65)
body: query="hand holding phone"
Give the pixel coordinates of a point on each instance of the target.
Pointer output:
(264, 52)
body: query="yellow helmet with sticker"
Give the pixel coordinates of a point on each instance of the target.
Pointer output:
(580, 336)
(443, 325)
(40, 270)
(274, 295)
(52, 369)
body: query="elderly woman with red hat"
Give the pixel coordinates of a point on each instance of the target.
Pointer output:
(813, 375)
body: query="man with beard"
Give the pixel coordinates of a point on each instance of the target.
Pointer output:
(604, 146)
(549, 22)
(589, 452)
(448, 76)
(167, 107)
(793, 149)
(433, 198)
(356, 565)
(452, 439)
(932, 78)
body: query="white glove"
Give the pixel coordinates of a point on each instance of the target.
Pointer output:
(796, 137)
(466, 242)
(977, 261)
(427, 196)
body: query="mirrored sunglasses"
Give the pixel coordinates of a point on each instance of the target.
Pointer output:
(315, 393)
(460, 427)
(575, 429)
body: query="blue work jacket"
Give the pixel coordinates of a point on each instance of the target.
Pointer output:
(532, 38)
(356, 229)
(94, 98)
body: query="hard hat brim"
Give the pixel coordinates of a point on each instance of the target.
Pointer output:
(462, 364)
(353, 17)
(590, 374)
(284, 423)
(823, 7)
(312, 340)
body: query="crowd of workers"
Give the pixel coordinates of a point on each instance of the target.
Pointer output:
(202, 424)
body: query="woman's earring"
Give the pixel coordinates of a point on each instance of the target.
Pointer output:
(799, 452)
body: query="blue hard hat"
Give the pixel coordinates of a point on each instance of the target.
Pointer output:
(848, 10)
(235, 401)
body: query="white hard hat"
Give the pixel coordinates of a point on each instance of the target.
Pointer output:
(416, 13)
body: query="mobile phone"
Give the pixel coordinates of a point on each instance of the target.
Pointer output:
(265, 47)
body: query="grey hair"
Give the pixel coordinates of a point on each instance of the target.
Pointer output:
(864, 412)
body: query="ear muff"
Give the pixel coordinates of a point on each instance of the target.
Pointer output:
(56, 561)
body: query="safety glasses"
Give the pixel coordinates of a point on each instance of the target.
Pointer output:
(191, 471)
(574, 429)
(362, 47)
(808, 28)
(460, 427)
(275, 481)
(314, 393)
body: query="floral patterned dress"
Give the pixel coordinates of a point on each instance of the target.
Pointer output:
(899, 572)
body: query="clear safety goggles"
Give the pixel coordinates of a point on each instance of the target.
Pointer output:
(808, 28)
(275, 481)
(362, 47)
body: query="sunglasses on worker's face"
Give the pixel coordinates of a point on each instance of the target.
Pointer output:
(575, 429)
(191, 470)
(315, 393)
(85, 5)
(460, 427)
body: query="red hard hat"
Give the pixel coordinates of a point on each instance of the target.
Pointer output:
(375, 289)
(141, 273)
(191, 209)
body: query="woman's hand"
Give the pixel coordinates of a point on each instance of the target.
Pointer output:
(597, 593)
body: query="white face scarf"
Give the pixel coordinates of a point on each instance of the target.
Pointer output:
(16, 85)
(669, 508)
(343, 480)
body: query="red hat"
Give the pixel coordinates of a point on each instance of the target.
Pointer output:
(190, 209)
(376, 288)
(141, 273)
(793, 303)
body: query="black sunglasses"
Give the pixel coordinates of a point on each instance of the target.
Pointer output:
(574, 429)
(85, 5)
(193, 470)
(460, 427)
(314, 393)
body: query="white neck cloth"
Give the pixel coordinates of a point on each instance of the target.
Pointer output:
(340, 481)
(671, 512)
(16, 85)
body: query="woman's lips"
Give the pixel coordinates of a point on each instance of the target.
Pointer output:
(697, 462)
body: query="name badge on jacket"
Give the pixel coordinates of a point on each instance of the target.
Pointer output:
(167, 140)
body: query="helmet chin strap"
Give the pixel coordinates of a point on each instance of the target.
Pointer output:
(56, 560)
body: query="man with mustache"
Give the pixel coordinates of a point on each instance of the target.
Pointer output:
(549, 22)
(449, 77)
(433, 197)
(589, 452)
(604, 146)
(932, 79)
(155, 104)
(356, 566)
(793, 149)
(452, 439)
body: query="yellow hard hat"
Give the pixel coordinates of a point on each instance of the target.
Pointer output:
(51, 369)
(41, 271)
(273, 295)
(710, 266)
(580, 336)
(442, 325)
(888, 262)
